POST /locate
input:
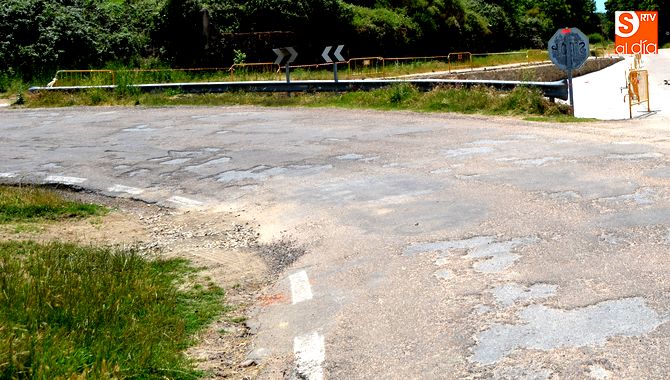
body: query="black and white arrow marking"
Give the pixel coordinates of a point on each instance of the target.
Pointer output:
(283, 53)
(337, 54)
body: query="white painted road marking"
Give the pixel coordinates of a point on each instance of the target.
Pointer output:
(310, 353)
(125, 189)
(65, 180)
(300, 288)
(183, 201)
(7, 175)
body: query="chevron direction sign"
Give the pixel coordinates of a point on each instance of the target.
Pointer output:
(337, 54)
(285, 52)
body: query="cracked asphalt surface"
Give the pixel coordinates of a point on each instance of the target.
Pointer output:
(438, 245)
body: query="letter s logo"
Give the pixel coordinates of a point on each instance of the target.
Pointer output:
(626, 23)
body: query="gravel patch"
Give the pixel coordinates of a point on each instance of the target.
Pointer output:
(280, 254)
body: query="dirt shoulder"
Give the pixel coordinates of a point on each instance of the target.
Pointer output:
(540, 73)
(220, 243)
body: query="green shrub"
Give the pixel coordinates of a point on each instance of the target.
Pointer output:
(239, 57)
(382, 28)
(596, 38)
(460, 99)
(97, 96)
(20, 100)
(401, 93)
(5, 81)
(523, 100)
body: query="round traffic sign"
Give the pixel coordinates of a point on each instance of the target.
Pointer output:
(568, 48)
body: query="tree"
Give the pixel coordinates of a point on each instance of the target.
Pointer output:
(503, 30)
(179, 32)
(380, 31)
(38, 36)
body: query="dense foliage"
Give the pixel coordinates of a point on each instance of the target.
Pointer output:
(38, 36)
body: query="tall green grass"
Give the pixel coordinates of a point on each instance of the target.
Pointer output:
(520, 101)
(69, 311)
(485, 100)
(28, 203)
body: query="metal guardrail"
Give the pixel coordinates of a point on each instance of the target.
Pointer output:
(460, 57)
(402, 60)
(558, 89)
(268, 66)
(365, 63)
(80, 74)
(62, 76)
(357, 67)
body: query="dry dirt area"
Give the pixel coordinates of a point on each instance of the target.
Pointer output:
(222, 244)
(540, 73)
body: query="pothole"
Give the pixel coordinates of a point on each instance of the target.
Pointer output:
(492, 142)
(508, 294)
(139, 128)
(491, 256)
(643, 196)
(634, 156)
(544, 328)
(521, 373)
(567, 196)
(263, 172)
(538, 161)
(209, 166)
(467, 151)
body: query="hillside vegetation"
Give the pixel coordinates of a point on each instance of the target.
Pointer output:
(39, 36)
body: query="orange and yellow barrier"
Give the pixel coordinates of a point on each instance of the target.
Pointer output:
(638, 89)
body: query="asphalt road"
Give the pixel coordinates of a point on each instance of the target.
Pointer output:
(439, 246)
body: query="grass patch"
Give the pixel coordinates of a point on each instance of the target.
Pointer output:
(68, 311)
(560, 119)
(26, 204)
(30, 228)
(520, 101)
(483, 100)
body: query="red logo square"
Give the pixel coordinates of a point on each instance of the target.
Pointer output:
(636, 32)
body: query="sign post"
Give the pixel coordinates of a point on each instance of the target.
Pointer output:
(283, 53)
(338, 58)
(568, 50)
